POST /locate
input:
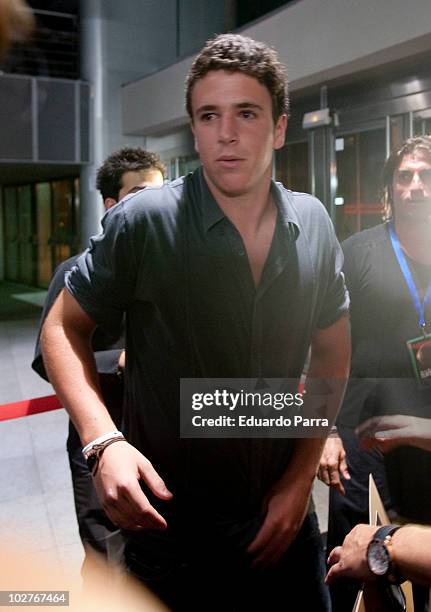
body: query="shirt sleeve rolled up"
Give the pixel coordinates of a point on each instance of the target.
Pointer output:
(103, 278)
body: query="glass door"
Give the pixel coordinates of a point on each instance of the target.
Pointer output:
(291, 166)
(359, 157)
(26, 247)
(422, 122)
(63, 227)
(11, 233)
(43, 224)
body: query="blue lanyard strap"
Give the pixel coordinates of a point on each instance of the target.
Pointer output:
(418, 304)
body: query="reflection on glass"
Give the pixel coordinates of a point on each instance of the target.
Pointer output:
(40, 229)
(291, 166)
(422, 123)
(11, 234)
(62, 228)
(398, 125)
(43, 223)
(26, 273)
(360, 159)
(187, 164)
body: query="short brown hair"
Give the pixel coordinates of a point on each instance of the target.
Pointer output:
(128, 159)
(237, 53)
(410, 146)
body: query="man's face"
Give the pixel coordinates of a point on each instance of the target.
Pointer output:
(139, 178)
(234, 131)
(412, 189)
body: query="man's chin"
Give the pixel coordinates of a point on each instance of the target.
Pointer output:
(232, 188)
(417, 212)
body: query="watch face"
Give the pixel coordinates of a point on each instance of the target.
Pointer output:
(378, 558)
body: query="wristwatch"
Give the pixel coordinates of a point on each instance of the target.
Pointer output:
(380, 557)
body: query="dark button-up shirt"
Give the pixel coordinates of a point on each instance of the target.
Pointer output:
(383, 318)
(178, 267)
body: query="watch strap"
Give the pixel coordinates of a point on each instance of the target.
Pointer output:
(384, 535)
(384, 531)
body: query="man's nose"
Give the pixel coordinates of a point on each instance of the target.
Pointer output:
(416, 182)
(228, 130)
(417, 188)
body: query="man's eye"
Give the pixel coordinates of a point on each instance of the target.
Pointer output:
(207, 116)
(248, 114)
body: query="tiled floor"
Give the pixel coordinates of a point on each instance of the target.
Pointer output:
(36, 503)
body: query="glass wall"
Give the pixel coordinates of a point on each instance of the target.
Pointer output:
(10, 224)
(422, 122)
(63, 226)
(188, 164)
(43, 225)
(291, 166)
(26, 245)
(359, 158)
(40, 224)
(182, 165)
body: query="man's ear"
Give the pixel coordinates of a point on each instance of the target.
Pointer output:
(109, 203)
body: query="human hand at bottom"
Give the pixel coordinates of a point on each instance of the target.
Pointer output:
(333, 465)
(121, 467)
(285, 511)
(390, 431)
(350, 559)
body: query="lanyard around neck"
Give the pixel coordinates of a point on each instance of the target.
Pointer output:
(419, 304)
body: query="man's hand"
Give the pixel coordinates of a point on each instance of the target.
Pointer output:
(333, 466)
(286, 508)
(121, 467)
(391, 431)
(350, 560)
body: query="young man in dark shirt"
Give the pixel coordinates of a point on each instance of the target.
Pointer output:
(223, 273)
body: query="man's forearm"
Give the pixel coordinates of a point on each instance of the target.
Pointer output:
(298, 477)
(71, 368)
(330, 361)
(411, 548)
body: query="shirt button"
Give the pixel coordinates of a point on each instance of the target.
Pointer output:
(241, 252)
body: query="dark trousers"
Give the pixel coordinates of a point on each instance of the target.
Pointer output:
(199, 570)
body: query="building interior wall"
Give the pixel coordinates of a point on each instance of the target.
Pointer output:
(318, 41)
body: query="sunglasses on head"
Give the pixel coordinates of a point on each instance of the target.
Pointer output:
(405, 177)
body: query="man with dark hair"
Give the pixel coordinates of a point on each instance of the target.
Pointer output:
(222, 274)
(126, 169)
(123, 172)
(388, 274)
(240, 54)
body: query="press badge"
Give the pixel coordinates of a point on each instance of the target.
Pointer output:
(420, 355)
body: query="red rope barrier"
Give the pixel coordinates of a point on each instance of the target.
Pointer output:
(24, 408)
